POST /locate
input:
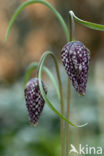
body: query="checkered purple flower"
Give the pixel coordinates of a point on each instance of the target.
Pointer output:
(75, 57)
(34, 99)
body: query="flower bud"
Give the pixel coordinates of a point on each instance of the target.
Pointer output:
(34, 99)
(75, 57)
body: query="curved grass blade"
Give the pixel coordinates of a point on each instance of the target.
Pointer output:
(25, 4)
(48, 53)
(90, 25)
(34, 66)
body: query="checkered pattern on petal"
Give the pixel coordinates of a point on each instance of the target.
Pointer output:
(75, 57)
(34, 99)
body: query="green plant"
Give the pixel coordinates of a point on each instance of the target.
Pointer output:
(40, 66)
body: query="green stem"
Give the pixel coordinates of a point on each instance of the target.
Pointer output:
(67, 116)
(46, 98)
(72, 26)
(48, 53)
(90, 25)
(34, 66)
(71, 21)
(61, 99)
(25, 4)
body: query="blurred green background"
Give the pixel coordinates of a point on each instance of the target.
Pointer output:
(35, 31)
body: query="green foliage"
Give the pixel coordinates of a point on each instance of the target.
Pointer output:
(90, 25)
(48, 53)
(12, 136)
(25, 4)
(19, 138)
(34, 66)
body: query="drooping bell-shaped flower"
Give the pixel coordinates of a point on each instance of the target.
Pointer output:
(34, 99)
(75, 57)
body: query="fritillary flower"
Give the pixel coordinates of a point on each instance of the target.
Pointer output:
(34, 99)
(75, 57)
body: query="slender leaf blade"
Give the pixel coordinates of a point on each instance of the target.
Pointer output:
(45, 96)
(90, 25)
(27, 3)
(32, 67)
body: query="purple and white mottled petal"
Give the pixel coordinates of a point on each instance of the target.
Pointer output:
(34, 100)
(75, 57)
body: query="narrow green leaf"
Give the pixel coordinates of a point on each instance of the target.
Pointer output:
(33, 66)
(25, 4)
(48, 53)
(87, 24)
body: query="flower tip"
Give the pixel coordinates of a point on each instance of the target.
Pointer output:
(82, 94)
